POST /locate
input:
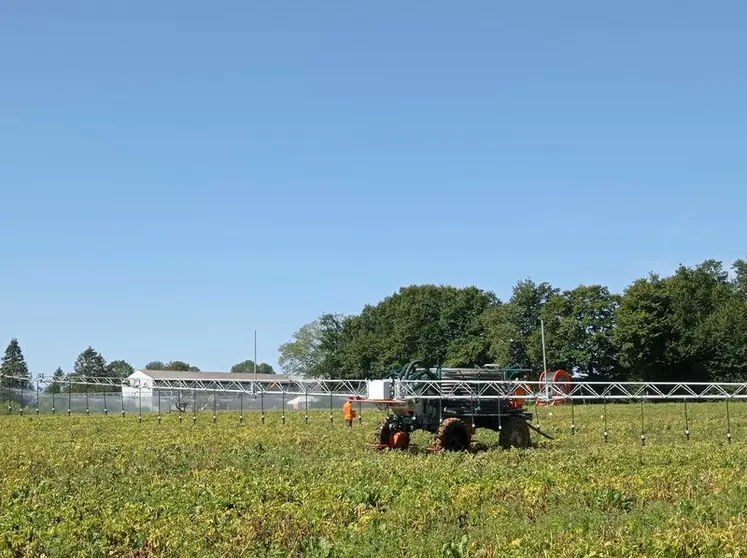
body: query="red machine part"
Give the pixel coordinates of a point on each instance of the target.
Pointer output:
(560, 379)
(399, 440)
(518, 402)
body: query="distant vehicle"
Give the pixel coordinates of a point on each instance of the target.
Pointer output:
(442, 401)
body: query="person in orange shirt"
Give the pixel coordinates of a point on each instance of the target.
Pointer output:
(349, 413)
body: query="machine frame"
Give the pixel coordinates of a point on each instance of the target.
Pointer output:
(452, 419)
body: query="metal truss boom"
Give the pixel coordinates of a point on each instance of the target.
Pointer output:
(561, 391)
(281, 385)
(406, 390)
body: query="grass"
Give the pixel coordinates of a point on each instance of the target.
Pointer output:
(109, 486)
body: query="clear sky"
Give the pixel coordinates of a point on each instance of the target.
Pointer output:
(177, 174)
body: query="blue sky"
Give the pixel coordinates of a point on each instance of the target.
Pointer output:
(175, 175)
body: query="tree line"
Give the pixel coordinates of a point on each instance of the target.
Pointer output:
(90, 363)
(690, 326)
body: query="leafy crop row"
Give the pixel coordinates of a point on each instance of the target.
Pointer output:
(108, 486)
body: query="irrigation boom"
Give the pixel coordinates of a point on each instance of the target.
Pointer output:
(405, 389)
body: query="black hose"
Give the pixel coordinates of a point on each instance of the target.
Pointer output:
(405, 372)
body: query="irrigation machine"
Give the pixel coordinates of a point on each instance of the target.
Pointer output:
(447, 402)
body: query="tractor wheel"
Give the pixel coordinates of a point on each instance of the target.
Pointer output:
(514, 433)
(381, 435)
(453, 435)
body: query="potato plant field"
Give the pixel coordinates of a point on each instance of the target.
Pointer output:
(112, 486)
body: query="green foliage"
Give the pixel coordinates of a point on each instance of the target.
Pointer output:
(643, 331)
(58, 379)
(691, 326)
(247, 367)
(9, 406)
(436, 324)
(740, 277)
(725, 332)
(695, 294)
(174, 366)
(687, 327)
(513, 329)
(90, 363)
(180, 366)
(314, 349)
(119, 369)
(579, 326)
(110, 486)
(13, 364)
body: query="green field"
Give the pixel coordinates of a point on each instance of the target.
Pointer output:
(108, 486)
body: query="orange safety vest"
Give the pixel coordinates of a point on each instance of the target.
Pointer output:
(347, 409)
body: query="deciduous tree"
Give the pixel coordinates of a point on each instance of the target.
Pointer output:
(119, 369)
(314, 348)
(247, 367)
(174, 366)
(579, 326)
(436, 324)
(513, 329)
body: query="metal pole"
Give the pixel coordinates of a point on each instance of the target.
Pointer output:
(687, 426)
(121, 397)
(605, 418)
(255, 355)
(241, 402)
(106, 411)
(643, 430)
(88, 411)
(472, 412)
(37, 397)
(573, 419)
(306, 394)
(500, 422)
(728, 422)
(544, 360)
(69, 396)
(53, 390)
(282, 402)
(140, 395)
(159, 406)
(262, 405)
(214, 405)
(22, 384)
(194, 406)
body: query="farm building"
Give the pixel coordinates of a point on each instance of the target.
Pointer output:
(176, 390)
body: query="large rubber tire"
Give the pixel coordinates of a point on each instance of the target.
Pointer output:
(453, 435)
(514, 434)
(381, 435)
